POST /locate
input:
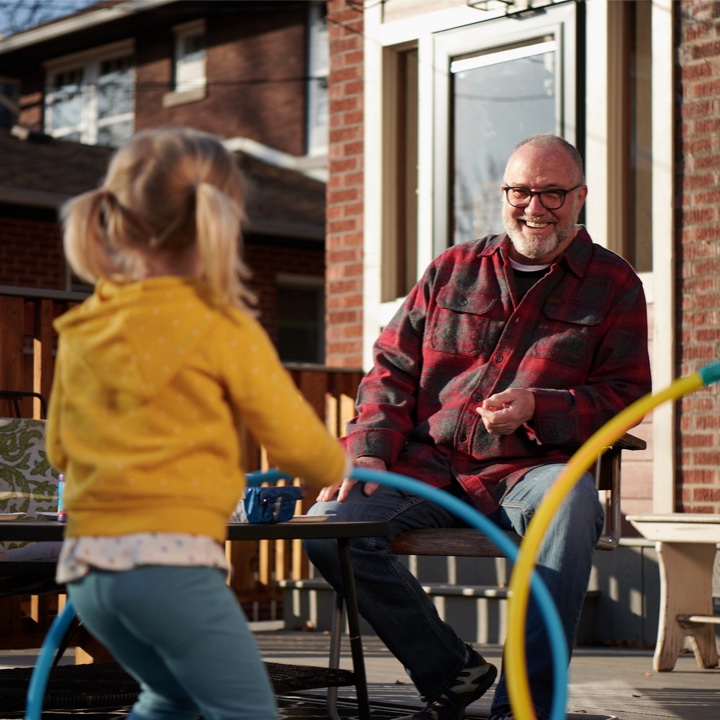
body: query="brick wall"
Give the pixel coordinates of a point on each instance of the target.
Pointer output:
(31, 254)
(257, 75)
(345, 186)
(698, 259)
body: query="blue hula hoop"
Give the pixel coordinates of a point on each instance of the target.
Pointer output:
(477, 520)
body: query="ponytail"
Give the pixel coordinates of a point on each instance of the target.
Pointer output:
(218, 226)
(166, 192)
(84, 238)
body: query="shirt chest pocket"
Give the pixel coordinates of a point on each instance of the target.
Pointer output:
(568, 334)
(462, 324)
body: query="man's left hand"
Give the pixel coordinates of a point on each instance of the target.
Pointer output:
(505, 412)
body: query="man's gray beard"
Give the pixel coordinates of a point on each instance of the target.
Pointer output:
(533, 251)
(548, 246)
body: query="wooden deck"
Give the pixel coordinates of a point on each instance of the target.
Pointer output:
(604, 683)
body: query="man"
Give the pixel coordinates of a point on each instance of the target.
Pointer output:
(506, 356)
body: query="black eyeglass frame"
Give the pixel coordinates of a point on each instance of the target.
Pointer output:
(507, 188)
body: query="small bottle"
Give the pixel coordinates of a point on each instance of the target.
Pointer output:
(61, 514)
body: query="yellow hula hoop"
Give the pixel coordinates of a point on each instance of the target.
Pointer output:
(517, 679)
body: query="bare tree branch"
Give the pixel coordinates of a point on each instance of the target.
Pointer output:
(19, 15)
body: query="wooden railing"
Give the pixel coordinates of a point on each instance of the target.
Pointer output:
(27, 350)
(256, 570)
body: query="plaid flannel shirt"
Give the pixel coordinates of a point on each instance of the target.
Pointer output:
(578, 340)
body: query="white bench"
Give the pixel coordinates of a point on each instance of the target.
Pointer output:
(686, 546)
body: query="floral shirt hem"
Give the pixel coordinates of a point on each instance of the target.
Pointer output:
(125, 552)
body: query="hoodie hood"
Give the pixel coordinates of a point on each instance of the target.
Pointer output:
(144, 330)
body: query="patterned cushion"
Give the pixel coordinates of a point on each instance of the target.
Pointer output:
(28, 484)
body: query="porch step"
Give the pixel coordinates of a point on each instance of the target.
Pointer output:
(478, 613)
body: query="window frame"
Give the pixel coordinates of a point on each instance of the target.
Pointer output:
(194, 88)
(560, 22)
(89, 63)
(318, 61)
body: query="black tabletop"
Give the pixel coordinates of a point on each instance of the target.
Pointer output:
(42, 530)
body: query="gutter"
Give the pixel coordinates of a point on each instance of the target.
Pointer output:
(41, 199)
(32, 198)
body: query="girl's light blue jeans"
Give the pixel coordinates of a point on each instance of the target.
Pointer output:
(405, 619)
(181, 634)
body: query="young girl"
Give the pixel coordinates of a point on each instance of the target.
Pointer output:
(155, 374)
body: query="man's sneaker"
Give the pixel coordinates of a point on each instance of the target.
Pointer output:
(473, 682)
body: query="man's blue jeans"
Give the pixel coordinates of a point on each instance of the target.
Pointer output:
(181, 633)
(405, 619)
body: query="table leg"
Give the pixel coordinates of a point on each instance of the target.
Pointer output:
(354, 630)
(336, 631)
(685, 589)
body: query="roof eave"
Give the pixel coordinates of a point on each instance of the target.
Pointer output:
(76, 23)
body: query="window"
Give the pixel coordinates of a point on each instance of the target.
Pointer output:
(189, 73)
(301, 319)
(623, 209)
(190, 57)
(317, 92)
(90, 99)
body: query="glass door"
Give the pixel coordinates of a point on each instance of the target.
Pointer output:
(499, 97)
(493, 84)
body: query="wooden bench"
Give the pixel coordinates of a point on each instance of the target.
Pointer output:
(468, 542)
(686, 546)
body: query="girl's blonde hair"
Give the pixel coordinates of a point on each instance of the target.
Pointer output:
(165, 192)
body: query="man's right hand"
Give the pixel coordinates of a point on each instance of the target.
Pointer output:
(343, 489)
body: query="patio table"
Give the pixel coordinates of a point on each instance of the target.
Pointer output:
(298, 528)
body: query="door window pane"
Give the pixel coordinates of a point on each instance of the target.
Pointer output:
(499, 98)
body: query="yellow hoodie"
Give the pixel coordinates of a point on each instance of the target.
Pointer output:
(152, 381)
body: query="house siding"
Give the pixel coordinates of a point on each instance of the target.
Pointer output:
(344, 245)
(698, 260)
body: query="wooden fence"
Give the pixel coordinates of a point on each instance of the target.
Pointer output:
(27, 351)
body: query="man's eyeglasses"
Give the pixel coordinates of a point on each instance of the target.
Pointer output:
(521, 197)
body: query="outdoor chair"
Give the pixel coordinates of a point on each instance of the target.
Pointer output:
(28, 488)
